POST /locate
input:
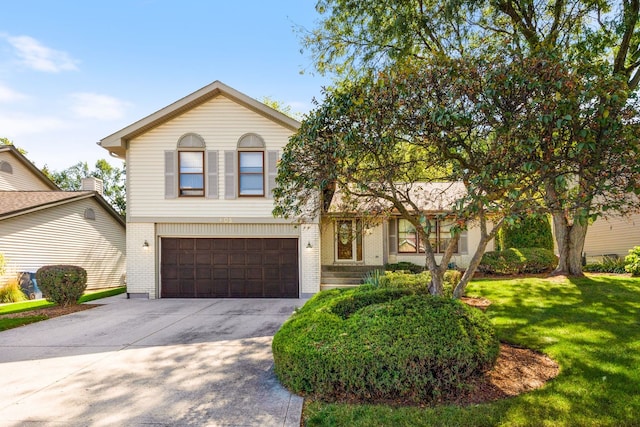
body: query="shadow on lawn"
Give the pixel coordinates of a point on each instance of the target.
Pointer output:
(591, 327)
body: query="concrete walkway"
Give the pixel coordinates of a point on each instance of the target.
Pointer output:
(149, 362)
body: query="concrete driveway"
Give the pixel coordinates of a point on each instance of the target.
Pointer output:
(149, 362)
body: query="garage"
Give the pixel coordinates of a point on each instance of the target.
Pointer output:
(229, 268)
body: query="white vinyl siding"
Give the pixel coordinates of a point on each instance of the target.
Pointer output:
(62, 235)
(220, 122)
(21, 178)
(612, 236)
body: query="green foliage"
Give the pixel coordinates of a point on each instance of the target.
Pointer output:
(372, 278)
(113, 179)
(607, 265)
(589, 326)
(518, 261)
(369, 344)
(62, 284)
(529, 232)
(19, 321)
(419, 282)
(404, 266)
(3, 264)
(11, 292)
(633, 261)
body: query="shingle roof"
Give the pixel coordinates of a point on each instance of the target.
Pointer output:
(13, 202)
(428, 196)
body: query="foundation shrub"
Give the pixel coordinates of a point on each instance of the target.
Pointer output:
(529, 232)
(404, 266)
(62, 284)
(419, 282)
(632, 261)
(518, 261)
(391, 345)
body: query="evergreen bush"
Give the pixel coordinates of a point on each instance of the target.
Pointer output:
(370, 344)
(529, 232)
(62, 284)
(518, 261)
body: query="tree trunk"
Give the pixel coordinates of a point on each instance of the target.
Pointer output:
(473, 266)
(437, 282)
(570, 241)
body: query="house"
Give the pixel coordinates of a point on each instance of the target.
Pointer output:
(199, 208)
(42, 225)
(612, 237)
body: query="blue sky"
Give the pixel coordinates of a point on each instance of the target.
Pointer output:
(73, 72)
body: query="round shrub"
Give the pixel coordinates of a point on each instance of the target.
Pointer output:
(632, 261)
(62, 284)
(415, 347)
(518, 261)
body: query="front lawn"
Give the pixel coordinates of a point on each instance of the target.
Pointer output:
(590, 326)
(32, 306)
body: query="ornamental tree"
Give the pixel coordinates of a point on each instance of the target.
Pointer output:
(412, 137)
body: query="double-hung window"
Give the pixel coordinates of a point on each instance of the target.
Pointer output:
(251, 176)
(191, 166)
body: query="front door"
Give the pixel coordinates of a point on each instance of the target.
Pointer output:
(348, 240)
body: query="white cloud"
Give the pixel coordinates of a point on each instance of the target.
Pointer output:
(97, 106)
(15, 125)
(39, 57)
(9, 95)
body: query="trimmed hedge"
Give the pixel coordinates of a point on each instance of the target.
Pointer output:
(62, 284)
(374, 344)
(518, 261)
(404, 266)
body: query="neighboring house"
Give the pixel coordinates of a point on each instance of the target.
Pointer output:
(612, 236)
(199, 209)
(42, 225)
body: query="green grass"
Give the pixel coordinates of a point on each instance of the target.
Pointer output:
(590, 326)
(20, 307)
(20, 321)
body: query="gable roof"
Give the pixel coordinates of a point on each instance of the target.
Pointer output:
(14, 203)
(26, 163)
(116, 143)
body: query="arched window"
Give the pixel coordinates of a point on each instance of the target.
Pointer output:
(6, 167)
(89, 214)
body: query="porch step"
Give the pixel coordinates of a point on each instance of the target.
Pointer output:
(344, 276)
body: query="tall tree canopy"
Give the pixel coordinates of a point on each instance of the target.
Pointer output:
(577, 135)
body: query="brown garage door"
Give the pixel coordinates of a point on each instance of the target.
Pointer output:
(235, 268)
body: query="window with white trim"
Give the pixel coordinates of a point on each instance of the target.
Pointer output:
(191, 165)
(251, 175)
